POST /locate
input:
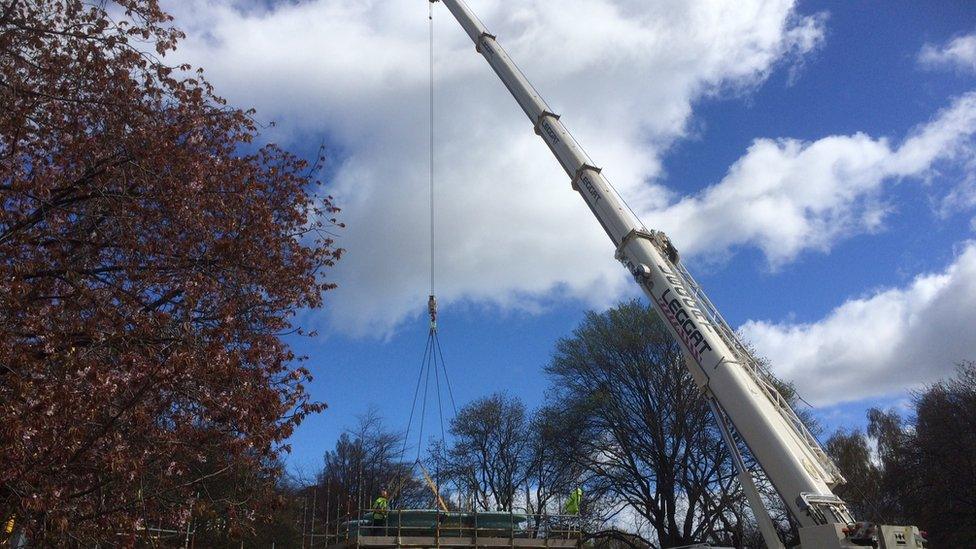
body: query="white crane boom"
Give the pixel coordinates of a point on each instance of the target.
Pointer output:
(790, 456)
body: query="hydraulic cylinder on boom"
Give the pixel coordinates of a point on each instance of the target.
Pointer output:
(735, 383)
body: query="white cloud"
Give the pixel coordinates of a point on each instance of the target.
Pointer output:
(885, 343)
(510, 230)
(963, 196)
(958, 54)
(786, 196)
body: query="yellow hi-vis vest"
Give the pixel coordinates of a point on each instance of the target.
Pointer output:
(574, 502)
(380, 507)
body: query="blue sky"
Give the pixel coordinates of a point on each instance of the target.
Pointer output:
(814, 161)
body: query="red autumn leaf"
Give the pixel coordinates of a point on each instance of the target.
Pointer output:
(148, 269)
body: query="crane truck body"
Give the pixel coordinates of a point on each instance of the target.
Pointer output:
(734, 382)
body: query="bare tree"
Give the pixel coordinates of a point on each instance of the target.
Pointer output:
(554, 469)
(649, 435)
(490, 456)
(366, 460)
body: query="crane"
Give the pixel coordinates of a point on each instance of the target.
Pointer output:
(737, 388)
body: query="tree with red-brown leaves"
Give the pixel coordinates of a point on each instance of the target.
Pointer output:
(149, 268)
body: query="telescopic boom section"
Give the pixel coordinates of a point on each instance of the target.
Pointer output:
(791, 458)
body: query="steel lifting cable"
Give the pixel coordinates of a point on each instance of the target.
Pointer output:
(432, 300)
(431, 364)
(430, 41)
(401, 476)
(447, 380)
(433, 356)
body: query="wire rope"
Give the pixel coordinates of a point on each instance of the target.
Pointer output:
(430, 24)
(416, 393)
(447, 380)
(433, 358)
(423, 412)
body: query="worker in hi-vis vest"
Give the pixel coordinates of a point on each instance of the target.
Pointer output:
(380, 509)
(574, 502)
(16, 539)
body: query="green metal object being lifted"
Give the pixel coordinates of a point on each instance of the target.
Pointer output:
(428, 522)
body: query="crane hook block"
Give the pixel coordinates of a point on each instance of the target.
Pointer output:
(432, 309)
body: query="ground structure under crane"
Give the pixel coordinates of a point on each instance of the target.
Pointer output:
(423, 528)
(469, 541)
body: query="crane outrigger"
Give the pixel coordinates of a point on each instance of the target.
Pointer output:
(734, 382)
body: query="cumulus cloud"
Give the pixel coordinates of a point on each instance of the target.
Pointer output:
(786, 196)
(510, 231)
(884, 343)
(958, 54)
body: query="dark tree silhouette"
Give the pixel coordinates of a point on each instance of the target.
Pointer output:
(555, 468)
(924, 469)
(864, 491)
(490, 455)
(366, 460)
(647, 431)
(944, 441)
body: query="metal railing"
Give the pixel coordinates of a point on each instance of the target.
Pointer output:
(444, 526)
(756, 371)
